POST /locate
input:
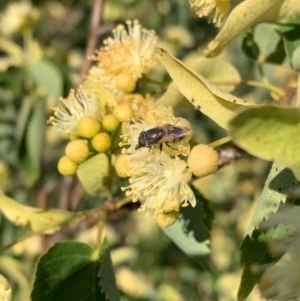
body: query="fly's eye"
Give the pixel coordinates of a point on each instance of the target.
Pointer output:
(141, 139)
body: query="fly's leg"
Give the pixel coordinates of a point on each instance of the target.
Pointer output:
(170, 146)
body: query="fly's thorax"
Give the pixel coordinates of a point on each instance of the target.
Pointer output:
(151, 137)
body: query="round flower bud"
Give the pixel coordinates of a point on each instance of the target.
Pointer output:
(125, 83)
(66, 167)
(77, 151)
(110, 122)
(203, 160)
(122, 166)
(167, 219)
(88, 127)
(123, 112)
(101, 142)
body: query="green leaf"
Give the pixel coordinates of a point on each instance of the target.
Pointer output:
(198, 220)
(255, 255)
(271, 133)
(280, 180)
(107, 276)
(7, 134)
(30, 137)
(250, 46)
(209, 99)
(295, 61)
(271, 48)
(186, 241)
(11, 89)
(248, 281)
(280, 226)
(22, 121)
(92, 172)
(36, 133)
(46, 75)
(70, 271)
(289, 32)
(58, 271)
(35, 219)
(254, 252)
(35, 138)
(191, 230)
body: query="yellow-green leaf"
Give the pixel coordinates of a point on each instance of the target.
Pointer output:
(289, 8)
(15, 270)
(172, 97)
(206, 97)
(246, 14)
(218, 71)
(271, 133)
(46, 75)
(35, 219)
(92, 172)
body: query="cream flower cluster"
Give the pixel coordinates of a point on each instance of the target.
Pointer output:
(159, 181)
(214, 9)
(72, 109)
(159, 174)
(126, 56)
(129, 51)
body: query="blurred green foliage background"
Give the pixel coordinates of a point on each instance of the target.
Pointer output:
(148, 265)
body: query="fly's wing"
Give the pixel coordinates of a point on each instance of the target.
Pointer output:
(176, 133)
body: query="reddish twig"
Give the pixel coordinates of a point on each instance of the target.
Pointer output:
(93, 36)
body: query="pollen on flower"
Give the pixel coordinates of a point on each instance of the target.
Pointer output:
(104, 86)
(215, 9)
(160, 115)
(130, 134)
(129, 51)
(73, 108)
(139, 104)
(159, 182)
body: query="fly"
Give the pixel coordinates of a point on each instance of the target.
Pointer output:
(162, 134)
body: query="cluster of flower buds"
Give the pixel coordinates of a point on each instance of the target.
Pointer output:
(91, 115)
